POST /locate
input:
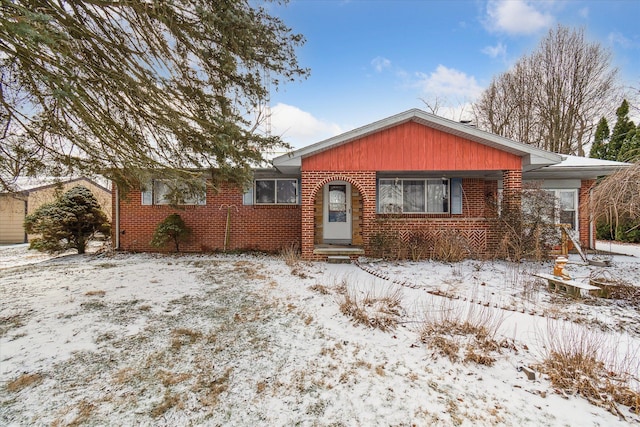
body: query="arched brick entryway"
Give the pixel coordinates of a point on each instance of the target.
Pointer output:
(313, 182)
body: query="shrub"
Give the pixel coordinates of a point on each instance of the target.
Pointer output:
(70, 222)
(627, 230)
(385, 244)
(450, 247)
(171, 229)
(529, 232)
(419, 244)
(587, 362)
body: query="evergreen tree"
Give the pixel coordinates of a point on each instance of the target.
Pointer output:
(68, 223)
(171, 229)
(599, 147)
(630, 150)
(116, 87)
(620, 132)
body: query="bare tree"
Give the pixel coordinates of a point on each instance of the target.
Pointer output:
(553, 97)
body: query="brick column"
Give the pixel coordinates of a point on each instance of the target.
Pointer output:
(587, 229)
(307, 216)
(511, 190)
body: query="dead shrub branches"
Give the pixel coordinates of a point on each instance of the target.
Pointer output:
(451, 327)
(380, 310)
(617, 197)
(589, 363)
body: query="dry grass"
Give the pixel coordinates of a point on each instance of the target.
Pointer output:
(169, 401)
(85, 409)
(24, 381)
(213, 388)
(587, 362)
(451, 327)
(379, 310)
(98, 293)
(183, 336)
(8, 323)
(321, 289)
(291, 255)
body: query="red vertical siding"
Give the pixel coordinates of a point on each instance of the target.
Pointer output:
(411, 146)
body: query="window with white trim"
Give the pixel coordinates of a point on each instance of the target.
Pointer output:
(164, 192)
(567, 201)
(280, 191)
(563, 209)
(413, 195)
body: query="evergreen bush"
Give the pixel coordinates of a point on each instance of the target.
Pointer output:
(68, 223)
(171, 229)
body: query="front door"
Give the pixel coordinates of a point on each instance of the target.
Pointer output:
(337, 212)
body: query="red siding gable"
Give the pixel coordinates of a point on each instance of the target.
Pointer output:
(411, 146)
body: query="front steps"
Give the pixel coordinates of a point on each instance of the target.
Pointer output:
(338, 253)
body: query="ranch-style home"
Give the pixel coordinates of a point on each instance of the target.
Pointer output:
(412, 172)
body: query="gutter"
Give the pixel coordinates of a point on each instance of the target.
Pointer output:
(117, 219)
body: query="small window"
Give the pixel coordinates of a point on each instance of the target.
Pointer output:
(276, 191)
(163, 192)
(413, 195)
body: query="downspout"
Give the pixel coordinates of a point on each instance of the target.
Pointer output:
(117, 219)
(592, 242)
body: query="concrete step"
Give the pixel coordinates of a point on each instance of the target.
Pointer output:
(338, 259)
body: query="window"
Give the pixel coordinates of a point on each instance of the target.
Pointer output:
(567, 205)
(276, 191)
(163, 192)
(413, 195)
(560, 207)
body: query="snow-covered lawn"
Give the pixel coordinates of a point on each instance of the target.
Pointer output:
(144, 339)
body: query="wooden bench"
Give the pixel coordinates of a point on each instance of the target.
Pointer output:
(570, 287)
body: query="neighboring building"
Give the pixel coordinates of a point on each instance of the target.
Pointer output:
(412, 171)
(31, 193)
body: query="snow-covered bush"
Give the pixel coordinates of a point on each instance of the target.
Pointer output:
(68, 223)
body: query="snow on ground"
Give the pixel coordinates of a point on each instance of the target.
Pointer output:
(147, 339)
(618, 248)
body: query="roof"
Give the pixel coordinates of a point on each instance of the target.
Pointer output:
(31, 184)
(572, 167)
(533, 157)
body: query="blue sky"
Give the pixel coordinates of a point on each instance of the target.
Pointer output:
(370, 59)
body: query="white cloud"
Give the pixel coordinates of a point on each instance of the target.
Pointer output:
(298, 127)
(516, 16)
(584, 13)
(496, 51)
(619, 39)
(380, 63)
(448, 81)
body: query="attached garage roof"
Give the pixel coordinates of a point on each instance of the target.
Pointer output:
(575, 167)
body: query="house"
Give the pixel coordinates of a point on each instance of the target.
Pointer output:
(410, 172)
(31, 193)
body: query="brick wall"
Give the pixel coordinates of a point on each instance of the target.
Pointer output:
(270, 228)
(266, 228)
(472, 224)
